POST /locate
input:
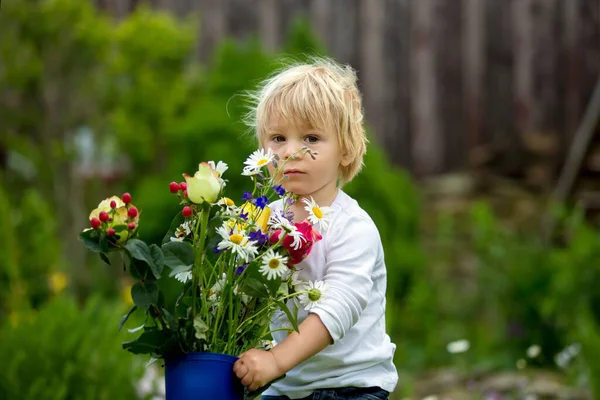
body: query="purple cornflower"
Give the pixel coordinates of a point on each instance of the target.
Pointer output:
(258, 237)
(247, 196)
(279, 190)
(261, 202)
(240, 269)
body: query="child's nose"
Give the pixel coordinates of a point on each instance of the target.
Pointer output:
(290, 149)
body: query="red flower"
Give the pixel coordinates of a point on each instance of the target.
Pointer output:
(310, 235)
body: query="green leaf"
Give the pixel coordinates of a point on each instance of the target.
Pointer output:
(148, 342)
(104, 244)
(105, 258)
(144, 294)
(287, 312)
(140, 251)
(177, 254)
(170, 320)
(158, 260)
(140, 270)
(255, 288)
(178, 220)
(91, 240)
(126, 317)
(273, 284)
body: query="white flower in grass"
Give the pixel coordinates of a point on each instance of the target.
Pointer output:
(533, 351)
(317, 215)
(315, 292)
(183, 277)
(458, 346)
(256, 161)
(236, 240)
(274, 265)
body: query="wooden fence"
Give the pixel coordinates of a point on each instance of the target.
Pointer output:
(447, 84)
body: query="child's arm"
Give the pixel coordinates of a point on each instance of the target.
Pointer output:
(258, 367)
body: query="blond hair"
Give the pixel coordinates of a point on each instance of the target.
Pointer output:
(320, 94)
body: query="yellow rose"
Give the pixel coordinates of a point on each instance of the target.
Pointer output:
(204, 185)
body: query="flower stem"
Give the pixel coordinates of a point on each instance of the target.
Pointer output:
(199, 259)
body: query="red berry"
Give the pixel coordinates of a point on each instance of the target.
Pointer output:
(183, 186)
(131, 226)
(103, 216)
(187, 211)
(174, 187)
(95, 223)
(113, 204)
(132, 212)
(126, 198)
(185, 193)
(110, 232)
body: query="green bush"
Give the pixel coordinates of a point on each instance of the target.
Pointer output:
(25, 274)
(67, 352)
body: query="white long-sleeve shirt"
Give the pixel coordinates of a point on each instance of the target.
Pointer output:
(350, 259)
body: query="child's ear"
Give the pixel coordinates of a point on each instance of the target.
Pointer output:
(346, 160)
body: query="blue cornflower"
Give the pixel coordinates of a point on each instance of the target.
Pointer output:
(258, 237)
(262, 201)
(216, 250)
(279, 190)
(244, 216)
(240, 269)
(247, 196)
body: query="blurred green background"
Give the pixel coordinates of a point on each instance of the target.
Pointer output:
(92, 105)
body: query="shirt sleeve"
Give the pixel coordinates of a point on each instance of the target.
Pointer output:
(352, 252)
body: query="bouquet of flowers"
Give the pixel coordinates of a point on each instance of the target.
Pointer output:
(235, 264)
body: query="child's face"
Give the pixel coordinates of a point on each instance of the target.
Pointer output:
(305, 176)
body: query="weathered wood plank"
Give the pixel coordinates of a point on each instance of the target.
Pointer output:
(427, 143)
(474, 42)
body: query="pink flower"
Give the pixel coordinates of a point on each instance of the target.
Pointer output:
(310, 236)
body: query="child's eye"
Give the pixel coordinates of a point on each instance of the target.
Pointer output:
(278, 139)
(312, 139)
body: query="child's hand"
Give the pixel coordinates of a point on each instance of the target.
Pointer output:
(256, 368)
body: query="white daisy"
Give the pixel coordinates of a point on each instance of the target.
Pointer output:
(183, 277)
(297, 236)
(217, 288)
(182, 231)
(317, 214)
(315, 292)
(256, 161)
(274, 264)
(238, 291)
(228, 206)
(220, 167)
(278, 221)
(235, 239)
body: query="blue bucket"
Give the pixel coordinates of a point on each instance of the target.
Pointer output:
(202, 376)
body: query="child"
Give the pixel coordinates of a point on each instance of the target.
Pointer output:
(342, 350)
